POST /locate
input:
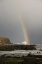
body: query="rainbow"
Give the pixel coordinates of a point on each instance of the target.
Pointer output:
(23, 26)
(25, 33)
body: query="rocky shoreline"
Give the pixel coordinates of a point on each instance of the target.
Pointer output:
(21, 57)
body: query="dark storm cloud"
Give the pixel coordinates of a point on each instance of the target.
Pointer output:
(9, 23)
(30, 11)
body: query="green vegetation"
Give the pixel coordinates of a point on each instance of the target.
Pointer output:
(13, 61)
(24, 60)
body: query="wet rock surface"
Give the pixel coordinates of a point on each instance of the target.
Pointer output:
(27, 54)
(21, 57)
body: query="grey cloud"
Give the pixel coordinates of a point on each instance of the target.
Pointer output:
(30, 12)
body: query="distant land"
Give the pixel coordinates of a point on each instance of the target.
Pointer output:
(4, 40)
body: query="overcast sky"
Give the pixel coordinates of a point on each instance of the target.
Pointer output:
(10, 24)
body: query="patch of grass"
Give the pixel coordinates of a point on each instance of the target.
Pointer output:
(13, 61)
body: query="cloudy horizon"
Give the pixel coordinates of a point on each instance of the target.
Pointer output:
(31, 13)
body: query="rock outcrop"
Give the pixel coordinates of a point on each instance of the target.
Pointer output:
(4, 41)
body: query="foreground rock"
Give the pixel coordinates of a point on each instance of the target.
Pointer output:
(21, 57)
